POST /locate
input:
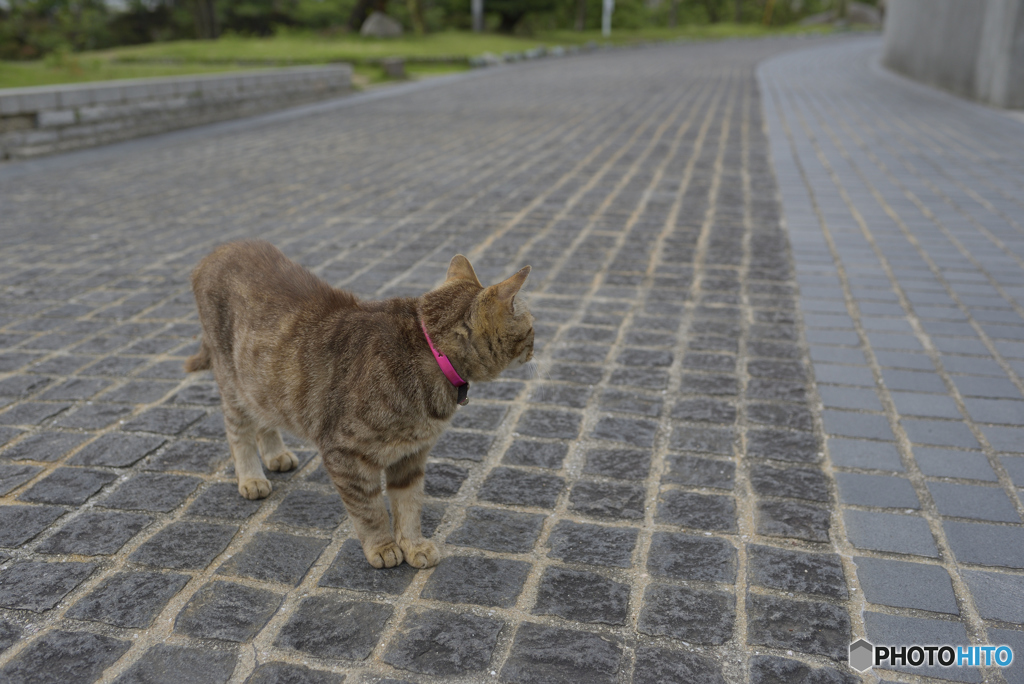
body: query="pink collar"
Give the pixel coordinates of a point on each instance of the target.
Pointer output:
(448, 369)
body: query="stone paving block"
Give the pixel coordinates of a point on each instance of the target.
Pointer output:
(275, 557)
(776, 390)
(205, 394)
(525, 452)
(581, 596)
(705, 410)
(857, 453)
(835, 396)
(592, 544)
(210, 427)
(464, 446)
(1014, 466)
(31, 413)
(929, 405)
(521, 488)
(766, 669)
(986, 387)
(350, 570)
(798, 483)
(139, 392)
(560, 656)
(636, 432)
(18, 524)
(695, 616)
(781, 415)
(890, 532)
(227, 611)
(45, 446)
(62, 656)
(783, 446)
(305, 508)
(152, 492)
(286, 673)
(939, 433)
(970, 465)
(95, 416)
(699, 472)
(608, 500)
(13, 476)
(169, 664)
(439, 642)
(184, 545)
(164, 421)
(805, 626)
(69, 486)
(38, 587)
(129, 599)
(859, 425)
(691, 557)
(897, 629)
(707, 440)
(116, 450)
(222, 500)
(655, 665)
(330, 627)
(95, 533)
(498, 530)
(973, 501)
(790, 570)
(986, 544)
(883, 491)
(1005, 438)
(75, 389)
(624, 464)
(190, 456)
(9, 635)
(629, 402)
(570, 396)
(444, 479)
(906, 585)
(549, 423)
(793, 519)
(477, 580)
(501, 390)
(479, 417)
(701, 511)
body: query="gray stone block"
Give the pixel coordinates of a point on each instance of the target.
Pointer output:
(985, 544)
(890, 532)
(897, 629)
(443, 643)
(906, 585)
(973, 501)
(560, 656)
(876, 490)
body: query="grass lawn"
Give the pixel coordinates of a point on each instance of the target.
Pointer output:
(232, 53)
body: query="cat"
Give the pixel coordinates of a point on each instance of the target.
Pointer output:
(364, 381)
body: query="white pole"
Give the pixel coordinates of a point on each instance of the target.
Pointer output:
(478, 15)
(607, 7)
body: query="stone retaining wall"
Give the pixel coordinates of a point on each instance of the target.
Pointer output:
(974, 48)
(42, 120)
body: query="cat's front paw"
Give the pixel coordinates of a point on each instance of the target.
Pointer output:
(282, 462)
(255, 488)
(420, 553)
(384, 556)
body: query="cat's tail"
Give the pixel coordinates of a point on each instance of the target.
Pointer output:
(200, 361)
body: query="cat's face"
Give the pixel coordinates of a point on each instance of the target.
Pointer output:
(496, 330)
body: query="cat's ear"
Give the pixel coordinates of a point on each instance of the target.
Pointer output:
(460, 269)
(507, 289)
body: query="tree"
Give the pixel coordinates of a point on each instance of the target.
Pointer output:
(511, 12)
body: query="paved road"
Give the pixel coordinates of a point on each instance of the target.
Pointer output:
(665, 499)
(904, 208)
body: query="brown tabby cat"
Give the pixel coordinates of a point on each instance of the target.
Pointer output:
(357, 379)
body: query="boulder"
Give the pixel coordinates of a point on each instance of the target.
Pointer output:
(380, 25)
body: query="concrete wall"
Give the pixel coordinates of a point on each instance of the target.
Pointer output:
(42, 120)
(974, 48)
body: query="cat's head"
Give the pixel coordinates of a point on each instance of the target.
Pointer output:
(486, 329)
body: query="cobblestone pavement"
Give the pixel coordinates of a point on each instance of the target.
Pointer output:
(904, 208)
(654, 504)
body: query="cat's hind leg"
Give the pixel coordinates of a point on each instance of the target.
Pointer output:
(405, 489)
(358, 482)
(252, 482)
(276, 456)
